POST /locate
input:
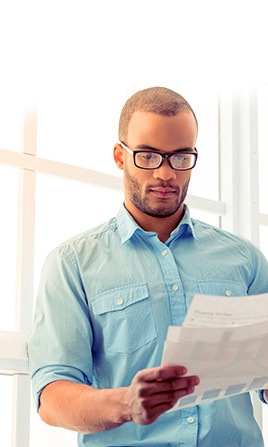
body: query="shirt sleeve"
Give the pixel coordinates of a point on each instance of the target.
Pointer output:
(59, 347)
(259, 273)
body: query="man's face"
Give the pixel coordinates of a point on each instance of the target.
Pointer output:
(158, 192)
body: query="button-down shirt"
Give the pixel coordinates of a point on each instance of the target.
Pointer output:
(105, 301)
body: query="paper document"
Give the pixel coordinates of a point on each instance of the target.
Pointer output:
(223, 340)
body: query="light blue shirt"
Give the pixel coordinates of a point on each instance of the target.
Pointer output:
(105, 301)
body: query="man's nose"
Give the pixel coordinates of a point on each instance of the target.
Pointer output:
(165, 171)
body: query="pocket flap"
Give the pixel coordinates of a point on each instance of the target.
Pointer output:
(119, 298)
(222, 287)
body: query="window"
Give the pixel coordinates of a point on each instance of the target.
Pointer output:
(57, 174)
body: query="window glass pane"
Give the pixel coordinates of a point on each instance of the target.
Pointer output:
(10, 122)
(64, 209)
(263, 150)
(204, 180)
(203, 216)
(78, 131)
(6, 393)
(8, 244)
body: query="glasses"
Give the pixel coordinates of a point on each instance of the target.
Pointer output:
(182, 160)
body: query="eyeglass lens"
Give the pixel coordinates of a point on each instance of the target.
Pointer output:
(151, 160)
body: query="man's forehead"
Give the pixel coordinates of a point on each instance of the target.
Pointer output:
(151, 129)
(142, 118)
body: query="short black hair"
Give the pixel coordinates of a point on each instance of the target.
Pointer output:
(159, 100)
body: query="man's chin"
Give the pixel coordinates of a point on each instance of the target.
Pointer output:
(160, 213)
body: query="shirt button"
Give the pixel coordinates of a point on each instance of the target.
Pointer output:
(175, 287)
(164, 252)
(119, 301)
(190, 420)
(228, 292)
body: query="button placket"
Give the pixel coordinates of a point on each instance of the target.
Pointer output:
(172, 280)
(190, 425)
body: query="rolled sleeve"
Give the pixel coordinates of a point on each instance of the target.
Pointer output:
(259, 273)
(59, 347)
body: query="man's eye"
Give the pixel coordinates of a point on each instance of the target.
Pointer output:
(180, 158)
(148, 156)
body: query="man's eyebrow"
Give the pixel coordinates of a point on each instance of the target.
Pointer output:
(144, 146)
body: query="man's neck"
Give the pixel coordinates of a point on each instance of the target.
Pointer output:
(163, 226)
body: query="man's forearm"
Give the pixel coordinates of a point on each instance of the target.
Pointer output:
(82, 408)
(87, 410)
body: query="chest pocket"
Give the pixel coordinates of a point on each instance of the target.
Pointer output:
(125, 318)
(222, 287)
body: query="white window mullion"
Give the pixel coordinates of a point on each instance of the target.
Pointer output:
(254, 169)
(24, 279)
(25, 252)
(238, 134)
(241, 156)
(226, 162)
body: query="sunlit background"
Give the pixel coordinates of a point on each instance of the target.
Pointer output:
(78, 62)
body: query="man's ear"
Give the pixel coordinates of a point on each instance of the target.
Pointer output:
(118, 156)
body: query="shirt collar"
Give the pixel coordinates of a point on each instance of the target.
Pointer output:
(186, 224)
(127, 226)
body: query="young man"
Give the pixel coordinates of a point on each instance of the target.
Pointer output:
(107, 297)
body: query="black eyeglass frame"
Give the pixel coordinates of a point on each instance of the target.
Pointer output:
(130, 151)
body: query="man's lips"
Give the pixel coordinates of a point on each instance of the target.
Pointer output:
(163, 192)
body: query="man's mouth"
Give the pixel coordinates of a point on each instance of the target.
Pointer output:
(165, 192)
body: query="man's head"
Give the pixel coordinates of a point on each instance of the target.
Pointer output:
(159, 100)
(160, 121)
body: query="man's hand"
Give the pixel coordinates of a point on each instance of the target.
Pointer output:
(154, 391)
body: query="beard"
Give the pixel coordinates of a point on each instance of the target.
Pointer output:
(142, 201)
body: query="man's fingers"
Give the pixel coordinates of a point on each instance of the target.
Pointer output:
(161, 373)
(168, 398)
(167, 386)
(177, 384)
(150, 400)
(158, 405)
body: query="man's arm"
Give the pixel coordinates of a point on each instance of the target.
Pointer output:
(87, 410)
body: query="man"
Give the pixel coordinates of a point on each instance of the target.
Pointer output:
(107, 297)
